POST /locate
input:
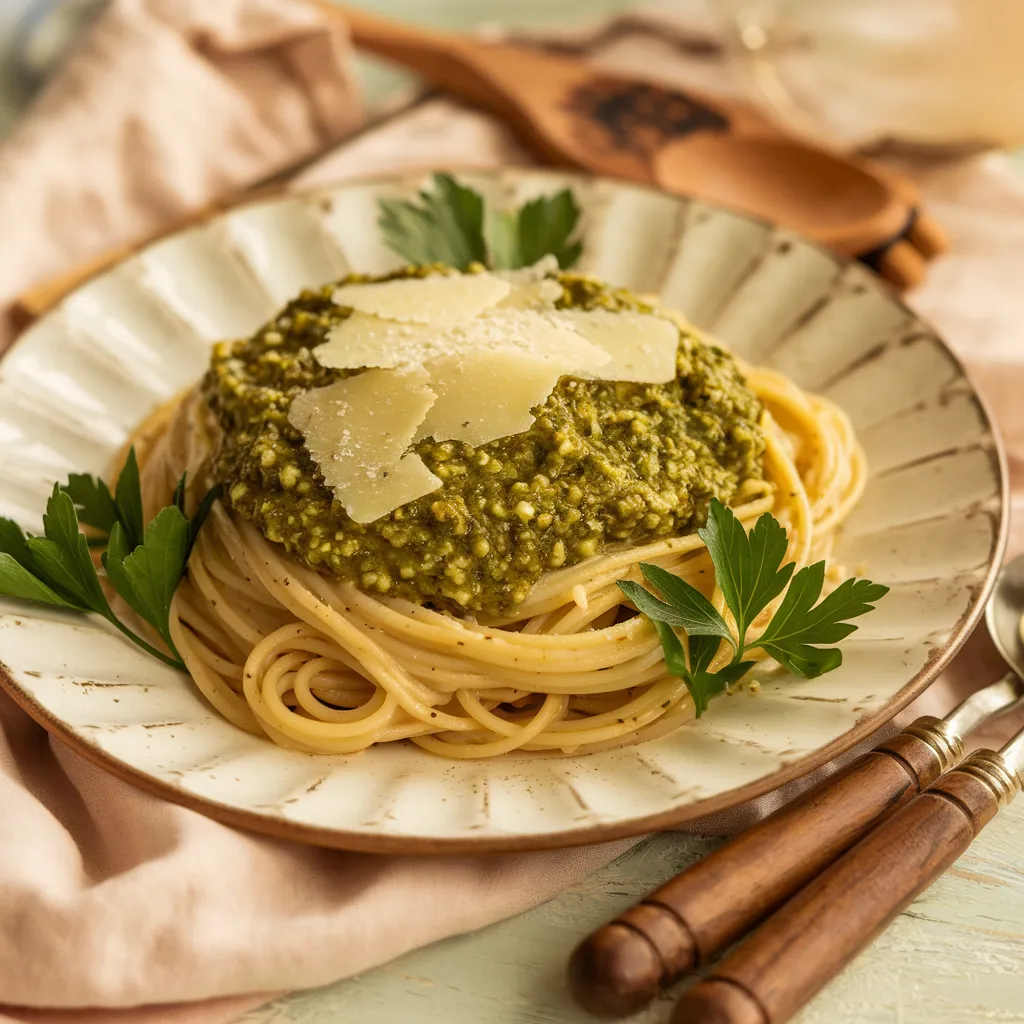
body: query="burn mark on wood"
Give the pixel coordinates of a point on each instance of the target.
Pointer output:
(637, 117)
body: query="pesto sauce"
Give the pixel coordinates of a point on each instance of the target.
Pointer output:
(604, 462)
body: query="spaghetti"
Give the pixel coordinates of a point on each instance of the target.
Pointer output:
(318, 665)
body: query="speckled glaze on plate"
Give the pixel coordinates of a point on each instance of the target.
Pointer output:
(931, 525)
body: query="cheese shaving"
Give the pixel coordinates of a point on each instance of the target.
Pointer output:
(534, 295)
(438, 299)
(544, 267)
(358, 431)
(486, 394)
(640, 347)
(364, 341)
(462, 357)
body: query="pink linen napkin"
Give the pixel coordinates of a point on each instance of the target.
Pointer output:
(165, 106)
(110, 898)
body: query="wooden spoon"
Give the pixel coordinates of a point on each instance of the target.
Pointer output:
(574, 115)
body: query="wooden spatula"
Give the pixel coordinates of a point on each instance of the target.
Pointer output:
(575, 115)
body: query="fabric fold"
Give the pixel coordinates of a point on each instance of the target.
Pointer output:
(164, 107)
(112, 897)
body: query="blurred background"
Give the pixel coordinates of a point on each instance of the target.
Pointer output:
(34, 34)
(940, 76)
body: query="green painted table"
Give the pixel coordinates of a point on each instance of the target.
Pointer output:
(956, 956)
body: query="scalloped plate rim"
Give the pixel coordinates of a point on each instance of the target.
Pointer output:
(370, 841)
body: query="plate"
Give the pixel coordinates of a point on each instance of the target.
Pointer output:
(931, 524)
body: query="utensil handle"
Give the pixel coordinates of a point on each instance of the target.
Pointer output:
(453, 63)
(625, 964)
(372, 30)
(432, 53)
(806, 943)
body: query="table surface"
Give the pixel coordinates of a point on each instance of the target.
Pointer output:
(955, 956)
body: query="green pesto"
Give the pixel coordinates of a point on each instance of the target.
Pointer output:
(604, 462)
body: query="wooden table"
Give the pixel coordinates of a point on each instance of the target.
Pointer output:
(956, 956)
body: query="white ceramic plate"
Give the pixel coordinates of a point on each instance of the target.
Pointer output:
(931, 524)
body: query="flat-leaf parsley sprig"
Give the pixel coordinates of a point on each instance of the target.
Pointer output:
(750, 573)
(452, 225)
(143, 562)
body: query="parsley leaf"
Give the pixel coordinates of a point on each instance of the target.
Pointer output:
(702, 684)
(503, 240)
(799, 622)
(543, 225)
(12, 541)
(17, 581)
(144, 563)
(18, 576)
(61, 558)
(93, 501)
(675, 657)
(128, 499)
(749, 572)
(689, 608)
(448, 226)
(113, 563)
(746, 567)
(147, 576)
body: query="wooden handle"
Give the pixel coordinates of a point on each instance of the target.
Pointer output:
(927, 236)
(453, 63)
(805, 944)
(376, 31)
(625, 964)
(438, 56)
(902, 264)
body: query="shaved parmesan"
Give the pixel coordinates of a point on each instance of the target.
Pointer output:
(358, 431)
(463, 357)
(537, 334)
(438, 299)
(486, 394)
(393, 487)
(544, 267)
(365, 340)
(641, 347)
(362, 340)
(541, 294)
